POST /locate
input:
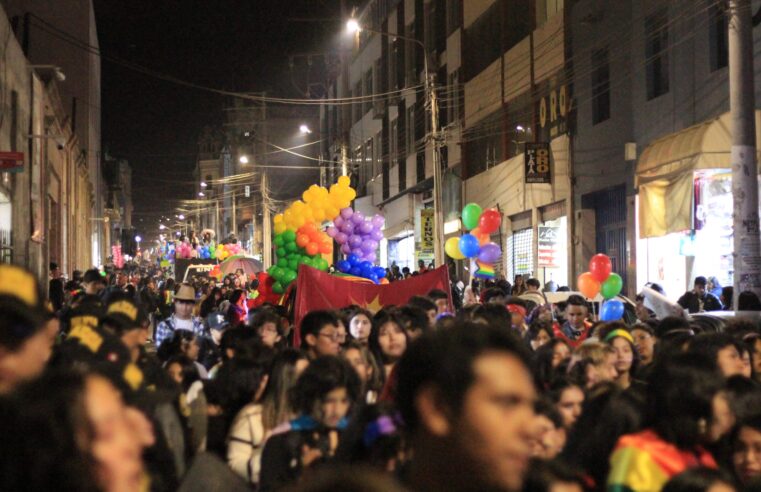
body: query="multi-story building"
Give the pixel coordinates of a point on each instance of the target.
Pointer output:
(46, 200)
(652, 139)
(383, 138)
(45, 31)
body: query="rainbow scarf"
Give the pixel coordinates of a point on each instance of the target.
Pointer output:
(644, 461)
(484, 270)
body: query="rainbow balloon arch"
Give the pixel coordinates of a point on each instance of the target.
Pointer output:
(300, 239)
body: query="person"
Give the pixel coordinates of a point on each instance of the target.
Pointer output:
(72, 431)
(627, 358)
(700, 480)
(748, 301)
(679, 409)
(517, 309)
(722, 350)
(494, 295)
(421, 266)
(467, 399)
(363, 361)
(183, 342)
(373, 438)
(360, 324)
(182, 319)
(416, 321)
(287, 366)
(56, 292)
(550, 359)
(577, 328)
(593, 363)
(726, 297)
(608, 414)
(121, 281)
(568, 398)
(127, 320)
(550, 434)
(427, 305)
(698, 300)
(388, 340)
(26, 336)
(238, 311)
(552, 476)
(93, 282)
(341, 331)
(323, 397)
(714, 286)
(746, 449)
(533, 285)
(441, 299)
(644, 341)
(266, 323)
(319, 335)
(519, 288)
(539, 333)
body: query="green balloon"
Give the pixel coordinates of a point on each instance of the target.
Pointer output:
(289, 236)
(293, 264)
(470, 215)
(308, 262)
(282, 262)
(276, 272)
(322, 264)
(289, 276)
(612, 286)
(271, 270)
(277, 288)
(291, 247)
(279, 241)
(280, 251)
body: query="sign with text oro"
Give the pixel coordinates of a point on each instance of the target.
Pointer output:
(538, 167)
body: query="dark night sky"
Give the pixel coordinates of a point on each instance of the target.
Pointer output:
(225, 44)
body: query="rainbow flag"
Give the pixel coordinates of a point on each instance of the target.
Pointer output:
(484, 270)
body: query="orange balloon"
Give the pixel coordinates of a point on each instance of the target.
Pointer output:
(588, 285)
(384, 281)
(312, 249)
(482, 237)
(302, 240)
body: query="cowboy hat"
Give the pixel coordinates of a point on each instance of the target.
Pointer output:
(186, 292)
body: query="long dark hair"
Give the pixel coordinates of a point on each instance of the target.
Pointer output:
(680, 398)
(379, 320)
(42, 425)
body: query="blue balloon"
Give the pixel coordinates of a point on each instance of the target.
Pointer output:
(379, 271)
(365, 265)
(612, 310)
(343, 266)
(353, 259)
(356, 271)
(374, 278)
(469, 246)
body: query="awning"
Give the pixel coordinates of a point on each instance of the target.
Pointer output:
(665, 173)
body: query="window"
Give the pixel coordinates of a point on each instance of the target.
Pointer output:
(357, 106)
(454, 15)
(410, 58)
(393, 142)
(600, 86)
(481, 42)
(454, 103)
(545, 9)
(717, 37)
(410, 129)
(656, 53)
(14, 120)
(483, 144)
(368, 91)
(520, 253)
(420, 168)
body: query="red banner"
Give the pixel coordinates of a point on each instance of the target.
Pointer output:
(320, 290)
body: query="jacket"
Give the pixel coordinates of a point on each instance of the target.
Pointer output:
(245, 443)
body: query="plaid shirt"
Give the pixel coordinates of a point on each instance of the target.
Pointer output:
(165, 329)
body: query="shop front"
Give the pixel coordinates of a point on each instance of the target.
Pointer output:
(684, 207)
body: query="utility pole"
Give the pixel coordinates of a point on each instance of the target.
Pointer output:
(344, 160)
(266, 230)
(438, 227)
(747, 244)
(235, 218)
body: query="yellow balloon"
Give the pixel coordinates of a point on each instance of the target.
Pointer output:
(278, 218)
(344, 181)
(452, 248)
(279, 228)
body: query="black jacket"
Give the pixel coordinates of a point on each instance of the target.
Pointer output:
(691, 302)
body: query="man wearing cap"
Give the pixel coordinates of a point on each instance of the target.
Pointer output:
(182, 319)
(127, 320)
(698, 299)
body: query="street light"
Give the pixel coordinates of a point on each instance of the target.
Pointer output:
(138, 239)
(203, 184)
(181, 217)
(304, 129)
(243, 159)
(201, 194)
(353, 26)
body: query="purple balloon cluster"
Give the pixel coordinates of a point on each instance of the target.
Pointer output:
(356, 234)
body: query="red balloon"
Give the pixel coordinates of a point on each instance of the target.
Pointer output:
(489, 221)
(600, 267)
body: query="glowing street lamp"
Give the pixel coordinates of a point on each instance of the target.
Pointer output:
(304, 129)
(352, 26)
(243, 159)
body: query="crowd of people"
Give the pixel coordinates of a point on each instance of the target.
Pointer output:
(134, 382)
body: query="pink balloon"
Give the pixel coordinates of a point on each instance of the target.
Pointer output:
(358, 218)
(341, 238)
(347, 228)
(331, 232)
(378, 220)
(346, 249)
(377, 235)
(371, 257)
(355, 241)
(338, 222)
(358, 252)
(366, 227)
(347, 212)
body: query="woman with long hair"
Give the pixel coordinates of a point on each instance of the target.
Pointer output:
(388, 340)
(360, 324)
(363, 361)
(682, 394)
(286, 369)
(238, 310)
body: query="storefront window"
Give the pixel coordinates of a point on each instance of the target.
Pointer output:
(520, 257)
(402, 252)
(552, 243)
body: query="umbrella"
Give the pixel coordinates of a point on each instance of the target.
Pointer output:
(249, 264)
(208, 231)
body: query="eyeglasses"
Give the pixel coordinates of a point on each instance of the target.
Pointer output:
(332, 336)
